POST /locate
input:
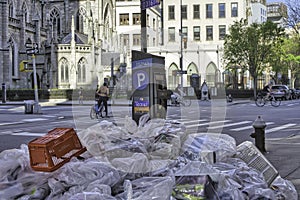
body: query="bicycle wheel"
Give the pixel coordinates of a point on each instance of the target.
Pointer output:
(260, 101)
(186, 102)
(275, 102)
(93, 113)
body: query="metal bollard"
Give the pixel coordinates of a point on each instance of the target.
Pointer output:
(3, 93)
(259, 126)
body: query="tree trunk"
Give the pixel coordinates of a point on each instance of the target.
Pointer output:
(255, 86)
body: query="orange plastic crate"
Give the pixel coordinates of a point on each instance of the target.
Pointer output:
(53, 150)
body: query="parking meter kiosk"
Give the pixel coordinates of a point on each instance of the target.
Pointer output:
(149, 88)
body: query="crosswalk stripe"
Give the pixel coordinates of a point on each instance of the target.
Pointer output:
(208, 123)
(227, 125)
(248, 127)
(193, 121)
(29, 134)
(279, 128)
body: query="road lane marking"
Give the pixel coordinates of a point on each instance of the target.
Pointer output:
(208, 123)
(279, 128)
(227, 125)
(193, 121)
(34, 120)
(248, 127)
(10, 123)
(29, 134)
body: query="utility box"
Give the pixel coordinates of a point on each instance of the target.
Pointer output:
(149, 87)
(28, 104)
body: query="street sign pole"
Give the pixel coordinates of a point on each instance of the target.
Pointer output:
(181, 54)
(36, 107)
(32, 49)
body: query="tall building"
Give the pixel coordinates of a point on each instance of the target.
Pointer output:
(203, 25)
(277, 13)
(71, 38)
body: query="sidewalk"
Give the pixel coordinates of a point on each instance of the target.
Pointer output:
(283, 153)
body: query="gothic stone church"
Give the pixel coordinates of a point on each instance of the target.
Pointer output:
(69, 38)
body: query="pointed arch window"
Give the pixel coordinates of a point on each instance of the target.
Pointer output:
(80, 19)
(11, 9)
(55, 21)
(81, 71)
(12, 58)
(211, 75)
(173, 79)
(25, 12)
(64, 71)
(192, 69)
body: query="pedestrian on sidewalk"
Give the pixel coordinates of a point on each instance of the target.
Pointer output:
(103, 94)
(80, 98)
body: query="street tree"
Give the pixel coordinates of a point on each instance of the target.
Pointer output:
(291, 56)
(250, 46)
(293, 19)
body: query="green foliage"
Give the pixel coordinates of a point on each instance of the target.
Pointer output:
(251, 47)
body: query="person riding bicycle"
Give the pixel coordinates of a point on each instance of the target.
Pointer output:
(267, 90)
(103, 93)
(176, 94)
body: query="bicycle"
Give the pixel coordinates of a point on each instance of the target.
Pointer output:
(96, 112)
(180, 100)
(261, 100)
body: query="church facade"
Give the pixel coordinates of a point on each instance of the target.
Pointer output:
(69, 39)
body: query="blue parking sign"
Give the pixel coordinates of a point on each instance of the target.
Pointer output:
(140, 79)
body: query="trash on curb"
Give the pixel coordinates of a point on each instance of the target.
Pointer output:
(155, 160)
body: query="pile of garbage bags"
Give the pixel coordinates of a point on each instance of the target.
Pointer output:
(156, 160)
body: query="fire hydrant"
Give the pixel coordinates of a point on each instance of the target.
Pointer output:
(259, 126)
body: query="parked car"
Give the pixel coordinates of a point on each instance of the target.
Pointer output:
(281, 91)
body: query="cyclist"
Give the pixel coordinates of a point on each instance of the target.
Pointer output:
(267, 90)
(103, 93)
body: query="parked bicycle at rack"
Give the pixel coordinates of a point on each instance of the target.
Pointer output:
(261, 100)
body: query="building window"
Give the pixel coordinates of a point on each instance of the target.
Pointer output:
(55, 21)
(124, 19)
(222, 32)
(80, 17)
(171, 12)
(154, 24)
(234, 9)
(171, 33)
(24, 8)
(185, 32)
(136, 18)
(209, 33)
(196, 13)
(64, 71)
(221, 10)
(136, 39)
(209, 11)
(11, 9)
(184, 11)
(154, 41)
(148, 20)
(125, 40)
(196, 30)
(81, 71)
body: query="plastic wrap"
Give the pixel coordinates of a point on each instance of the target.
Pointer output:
(284, 189)
(223, 145)
(148, 188)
